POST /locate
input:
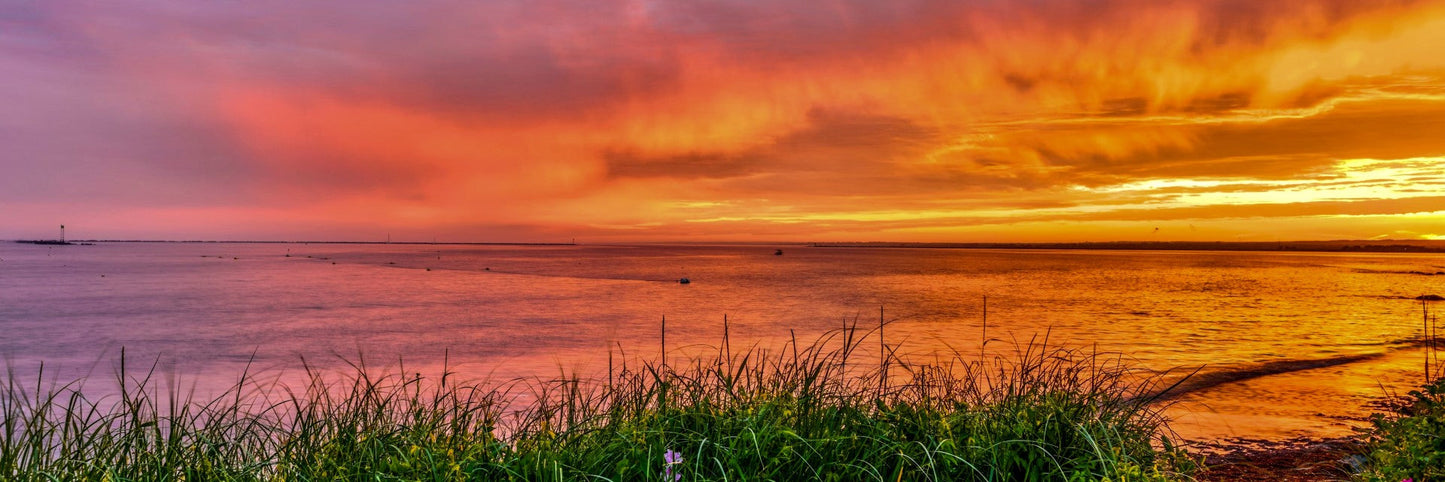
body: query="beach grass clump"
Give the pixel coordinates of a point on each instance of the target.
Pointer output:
(814, 412)
(141, 434)
(1410, 443)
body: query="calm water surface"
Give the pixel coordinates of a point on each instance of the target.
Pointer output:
(204, 311)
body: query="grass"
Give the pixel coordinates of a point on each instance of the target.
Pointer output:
(806, 412)
(1410, 442)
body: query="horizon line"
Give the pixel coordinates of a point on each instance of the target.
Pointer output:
(1433, 245)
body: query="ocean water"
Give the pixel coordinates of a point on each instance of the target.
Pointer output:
(201, 313)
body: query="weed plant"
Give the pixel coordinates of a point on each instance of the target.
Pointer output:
(805, 412)
(1409, 444)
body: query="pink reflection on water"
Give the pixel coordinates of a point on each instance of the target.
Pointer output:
(205, 311)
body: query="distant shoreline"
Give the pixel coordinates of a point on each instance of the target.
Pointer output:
(424, 243)
(1346, 246)
(1335, 246)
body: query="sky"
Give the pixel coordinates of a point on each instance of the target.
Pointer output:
(723, 120)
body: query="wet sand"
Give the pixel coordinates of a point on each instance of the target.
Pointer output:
(1287, 460)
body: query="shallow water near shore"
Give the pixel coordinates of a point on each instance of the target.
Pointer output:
(1300, 342)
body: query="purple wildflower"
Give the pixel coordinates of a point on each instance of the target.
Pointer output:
(671, 458)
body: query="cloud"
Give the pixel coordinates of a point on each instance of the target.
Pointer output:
(540, 117)
(1245, 144)
(830, 141)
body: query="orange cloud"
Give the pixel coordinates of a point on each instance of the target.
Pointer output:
(696, 119)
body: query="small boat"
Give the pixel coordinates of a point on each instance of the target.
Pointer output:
(778, 253)
(684, 281)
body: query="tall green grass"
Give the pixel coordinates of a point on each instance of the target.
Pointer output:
(1409, 442)
(804, 412)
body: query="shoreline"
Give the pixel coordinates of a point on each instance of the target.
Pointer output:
(162, 241)
(1340, 246)
(1300, 459)
(1331, 246)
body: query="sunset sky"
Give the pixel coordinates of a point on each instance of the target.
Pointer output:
(684, 120)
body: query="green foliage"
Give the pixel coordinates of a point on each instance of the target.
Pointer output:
(1411, 443)
(805, 413)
